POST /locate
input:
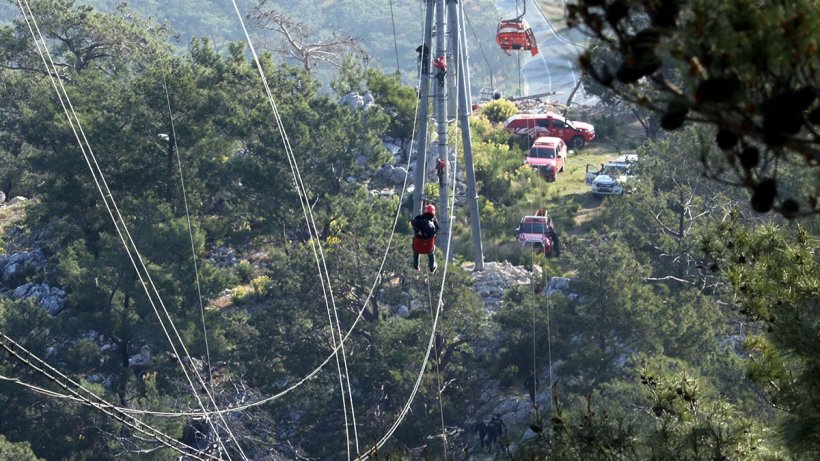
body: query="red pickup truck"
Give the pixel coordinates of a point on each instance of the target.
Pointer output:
(575, 134)
(547, 155)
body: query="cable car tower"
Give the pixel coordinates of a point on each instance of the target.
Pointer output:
(446, 71)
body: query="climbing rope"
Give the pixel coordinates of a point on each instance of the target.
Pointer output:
(438, 371)
(378, 445)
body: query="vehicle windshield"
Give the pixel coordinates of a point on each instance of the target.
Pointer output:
(531, 228)
(615, 170)
(542, 152)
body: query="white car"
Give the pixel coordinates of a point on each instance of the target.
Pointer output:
(611, 178)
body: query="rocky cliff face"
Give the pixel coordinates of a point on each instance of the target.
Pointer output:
(496, 278)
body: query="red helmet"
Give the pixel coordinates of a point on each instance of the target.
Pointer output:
(429, 209)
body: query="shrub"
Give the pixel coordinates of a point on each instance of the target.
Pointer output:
(244, 270)
(499, 110)
(240, 294)
(260, 286)
(605, 126)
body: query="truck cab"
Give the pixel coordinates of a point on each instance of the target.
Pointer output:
(535, 231)
(548, 156)
(611, 179)
(575, 134)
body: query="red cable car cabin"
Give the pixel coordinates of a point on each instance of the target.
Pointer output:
(516, 34)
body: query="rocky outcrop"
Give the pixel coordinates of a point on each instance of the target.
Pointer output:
(562, 285)
(223, 257)
(141, 361)
(51, 299)
(357, 101)
(496, 278)
(12, 263)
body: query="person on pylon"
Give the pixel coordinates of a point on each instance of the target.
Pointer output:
(440, 64)
(425, 228)
(441, 165)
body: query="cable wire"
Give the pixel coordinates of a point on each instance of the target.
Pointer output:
(378, 445)
(395, 40)
(480, 48)
(106, 196)
(316, 245)
(24, 356)
(190, 229)
(359, 314)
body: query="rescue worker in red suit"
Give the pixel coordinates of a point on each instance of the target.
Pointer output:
(425, 228)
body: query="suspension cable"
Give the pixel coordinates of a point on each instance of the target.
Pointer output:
(378, 445)
(480, 48)
(190, 230)
(96, 171)
(359, 314)
(315, 243)
(395, 40)
(21, 354)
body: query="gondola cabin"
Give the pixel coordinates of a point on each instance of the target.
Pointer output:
(516, 34)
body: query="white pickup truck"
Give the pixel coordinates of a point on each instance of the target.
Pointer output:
(611, 178)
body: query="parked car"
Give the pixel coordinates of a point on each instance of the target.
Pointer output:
(536, 231)
(548, 156)
(611, 179)
(575, 134)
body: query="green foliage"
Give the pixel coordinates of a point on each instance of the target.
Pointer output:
(350, 78)
(672, 414)
(244, 270)
(484, 130)
(499, 110)
(774, 275)
(605, 126)
(750, 79)
(396, 100)
(649, 302)
(20, 451)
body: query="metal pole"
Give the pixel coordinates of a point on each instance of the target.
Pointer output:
(464, 122)
(441, 128)
(453, 60)
(424, 104)
(465, 56)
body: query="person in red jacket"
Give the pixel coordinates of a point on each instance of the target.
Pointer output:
(425, 228)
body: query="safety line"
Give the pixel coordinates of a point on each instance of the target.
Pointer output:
(106, 196)
(534, 308)
(25, 357)
(378, 445)
(359, 314)
(438, 371)
(315, 243)
(190, 230)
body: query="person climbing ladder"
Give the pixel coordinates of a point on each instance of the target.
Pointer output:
(425, 228)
